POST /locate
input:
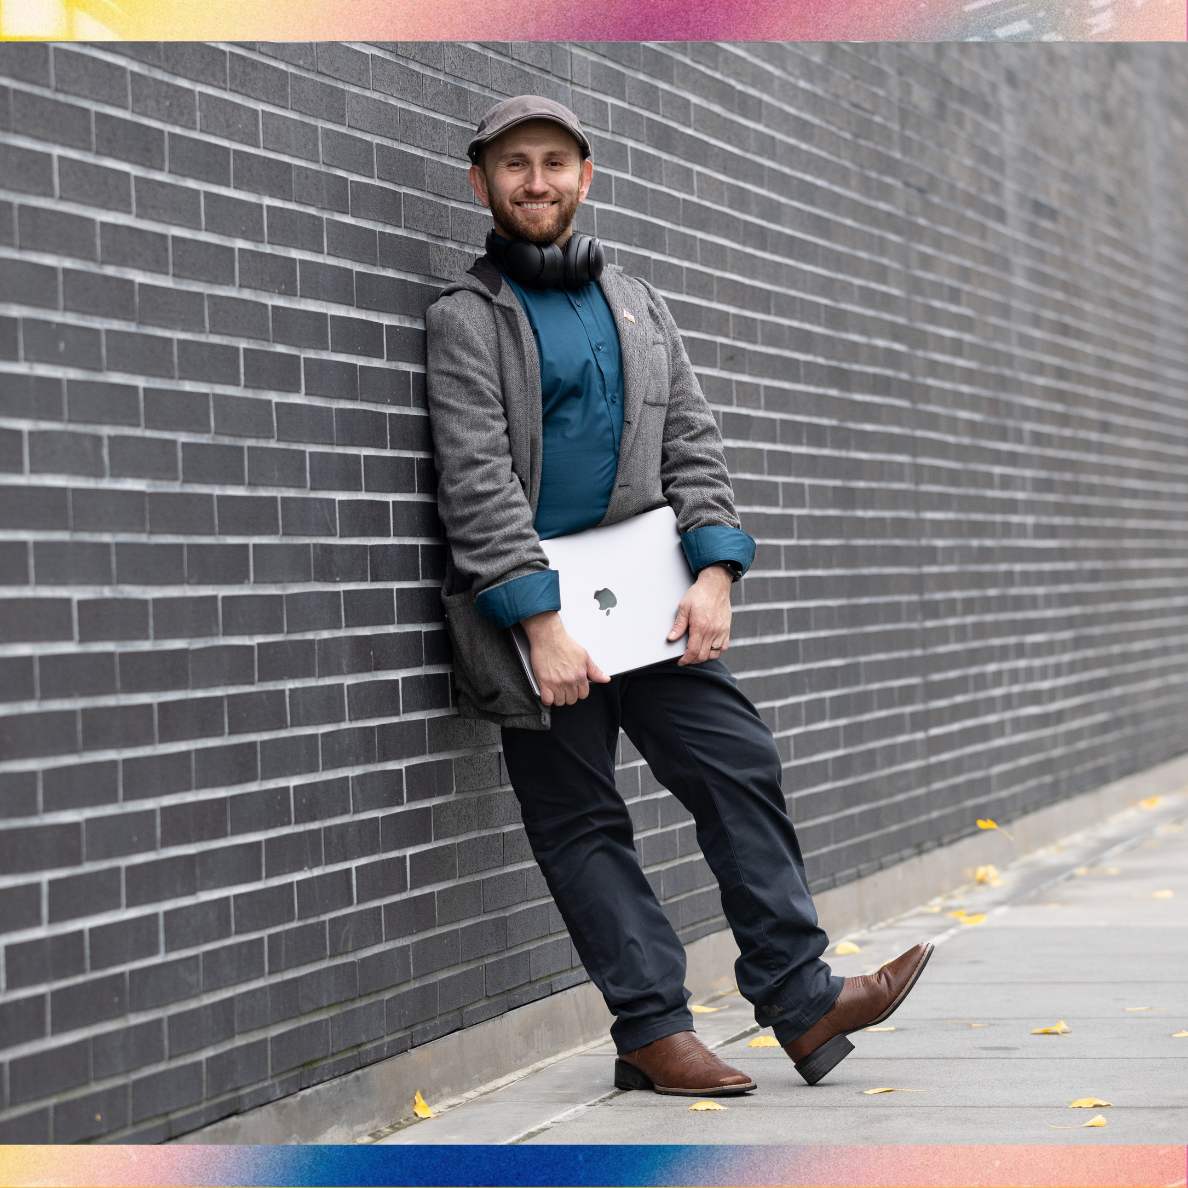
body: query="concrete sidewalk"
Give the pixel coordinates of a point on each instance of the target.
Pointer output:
(1084, 931)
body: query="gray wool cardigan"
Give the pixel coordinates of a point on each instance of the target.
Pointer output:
(484, 396)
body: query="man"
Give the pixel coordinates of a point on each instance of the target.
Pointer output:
(561, 397)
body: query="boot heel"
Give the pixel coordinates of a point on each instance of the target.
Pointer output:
(627, 1076)
(818, 1062)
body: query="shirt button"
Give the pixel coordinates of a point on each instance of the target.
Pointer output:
(598, 346)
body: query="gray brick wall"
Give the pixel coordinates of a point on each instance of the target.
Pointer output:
(937, 295)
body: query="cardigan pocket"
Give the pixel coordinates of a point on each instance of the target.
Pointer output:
(656, 374)
(489, 679)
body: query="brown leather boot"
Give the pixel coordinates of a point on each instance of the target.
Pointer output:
(863, 1001)
(679, 1064)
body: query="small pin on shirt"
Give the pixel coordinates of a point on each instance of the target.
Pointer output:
(629, 315)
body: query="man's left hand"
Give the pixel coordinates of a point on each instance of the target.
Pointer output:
(705, 612)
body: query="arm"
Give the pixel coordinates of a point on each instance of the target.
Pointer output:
(693, 474)
(482, 506)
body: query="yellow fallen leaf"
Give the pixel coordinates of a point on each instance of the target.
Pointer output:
(890, 1089)
(987, 823)
(1097, 1120)
(421, 1107)
(1136, 1008)
(888, 1027)
(986, 874)
(845, 948)
(1164, 894)
(958, 914)
(1088, 1103)
(1060, 1027)
(976, 918)
(764, 1041)
(706, 1105)
(698, 1009)
(1180, 1035)
(1150, 802)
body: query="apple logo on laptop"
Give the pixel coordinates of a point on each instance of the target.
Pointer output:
(606, 599)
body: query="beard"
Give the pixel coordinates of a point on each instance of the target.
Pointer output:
(534, 228)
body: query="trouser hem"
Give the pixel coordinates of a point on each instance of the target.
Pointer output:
(793, 1025)
(645, 1033)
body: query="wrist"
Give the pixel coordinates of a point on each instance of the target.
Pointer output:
(717, 572)
(541, 626)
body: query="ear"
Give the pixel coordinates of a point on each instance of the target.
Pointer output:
(587, 176)
(478, 183)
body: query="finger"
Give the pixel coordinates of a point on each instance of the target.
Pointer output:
(594, 673)
(679, 623)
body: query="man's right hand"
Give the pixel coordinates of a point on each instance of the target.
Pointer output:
(563, 668)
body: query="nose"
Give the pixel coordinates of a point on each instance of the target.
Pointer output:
(535, 182)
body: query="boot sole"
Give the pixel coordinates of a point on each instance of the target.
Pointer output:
(834, 1050)
(627, 1076)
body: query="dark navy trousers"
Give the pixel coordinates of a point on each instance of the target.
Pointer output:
(706, 743)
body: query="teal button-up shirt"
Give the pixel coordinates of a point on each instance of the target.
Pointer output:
(581, 374)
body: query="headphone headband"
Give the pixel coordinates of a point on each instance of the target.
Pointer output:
(548, 267)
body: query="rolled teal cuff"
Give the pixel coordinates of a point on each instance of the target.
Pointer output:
(529, 594)
(717, 542)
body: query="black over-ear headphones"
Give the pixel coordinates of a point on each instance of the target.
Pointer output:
(548, 267)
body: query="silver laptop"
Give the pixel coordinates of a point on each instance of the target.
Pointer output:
(620, 586)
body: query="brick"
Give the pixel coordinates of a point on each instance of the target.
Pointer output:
(26, 62)
(216, 767)
(197, 923)
(48, 1071)
(46, 959)
(102, 402)
(82, 895)
(326, 282)
(274, 467)
(93, 293)
(258, 80)
(167, 1090)
(275, 371)
(180, 618)
(30, 619)
(77, 675)
(149, 564)
(90, 77)
(329, 377)
(304, 422)
(37, 397)
(27, 170)
(152, 882)
(236, 217)
(376, 203)
(253, 614)
(238, 316)
(197, 60)
(142, 457)
(72, 563)
(364, 517)
(95, 185)
(293, 138)
(57, 342)
(90, 1116)
(112, 618)
(131, 141)
(308, 517)
(351, 242)
(196, 260)
(354, 154)
(249, 515)
(206, 462)
(217, 564)
(317, 99)
(262, 270)
(155, 775)
(181, 512)
(179, 309)
(223, 664)
(227, 119)
(203, 160)
(113, 726)
(165, 101)
(133, 247)
(51, 120)
(167, 203)
(261, 174)
(307, 328)
(176, 409)
(317, 187)
(150, 671)
(123, 941)
(140, 354)
(295, 228)
(120, 834)
(356, 336)
(80, 785)
(211, 362)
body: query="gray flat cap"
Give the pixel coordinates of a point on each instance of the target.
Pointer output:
(518, 110)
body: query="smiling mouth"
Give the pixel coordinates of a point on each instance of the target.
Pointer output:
(536, 205)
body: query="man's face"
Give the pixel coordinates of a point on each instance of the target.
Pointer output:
(533, 178)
